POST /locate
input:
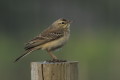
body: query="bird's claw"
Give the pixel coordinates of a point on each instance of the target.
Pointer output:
(57, 60)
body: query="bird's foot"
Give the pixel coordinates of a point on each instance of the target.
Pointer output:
(57, 60)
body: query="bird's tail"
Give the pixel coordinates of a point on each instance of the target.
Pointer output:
(26, 53)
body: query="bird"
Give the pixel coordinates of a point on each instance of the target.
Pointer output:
(50, 39)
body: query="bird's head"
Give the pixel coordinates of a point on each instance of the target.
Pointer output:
(61, 23)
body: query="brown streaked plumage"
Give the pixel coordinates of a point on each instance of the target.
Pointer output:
(52, 38)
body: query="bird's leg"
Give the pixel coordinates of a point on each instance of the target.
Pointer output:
(55, 59)
(52, 55)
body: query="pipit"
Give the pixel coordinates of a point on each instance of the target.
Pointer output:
(52, 38)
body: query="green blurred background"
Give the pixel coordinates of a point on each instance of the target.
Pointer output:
(94, 40)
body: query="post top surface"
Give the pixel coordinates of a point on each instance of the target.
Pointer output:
(45, 62)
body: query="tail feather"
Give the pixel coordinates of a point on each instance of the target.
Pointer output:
(27, 52)
(23, 55)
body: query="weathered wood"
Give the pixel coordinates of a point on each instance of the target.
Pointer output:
(54, 71)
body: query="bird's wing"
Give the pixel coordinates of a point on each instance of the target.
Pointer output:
(44, 37)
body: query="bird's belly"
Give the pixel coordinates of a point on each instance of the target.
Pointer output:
(55, 44)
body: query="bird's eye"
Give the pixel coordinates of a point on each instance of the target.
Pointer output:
(63, 23)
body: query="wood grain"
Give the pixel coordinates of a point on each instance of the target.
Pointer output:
(54, 71)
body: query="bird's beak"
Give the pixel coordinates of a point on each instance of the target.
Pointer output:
(69, 21)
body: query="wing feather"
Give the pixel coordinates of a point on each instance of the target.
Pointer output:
(44, 38)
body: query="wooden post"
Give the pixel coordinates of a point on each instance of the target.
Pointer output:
(54, 71)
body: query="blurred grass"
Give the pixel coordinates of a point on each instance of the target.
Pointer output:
(98, 54)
